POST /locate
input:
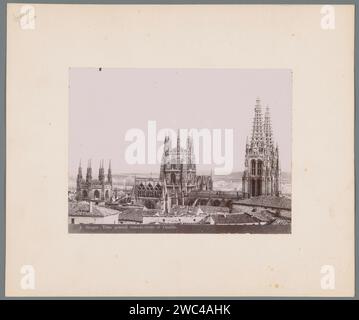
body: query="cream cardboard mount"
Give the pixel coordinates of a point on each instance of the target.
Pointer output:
(47, 45)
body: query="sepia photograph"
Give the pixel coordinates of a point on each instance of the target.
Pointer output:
(179, 150)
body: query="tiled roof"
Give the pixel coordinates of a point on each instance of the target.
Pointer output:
(131, 216)
(150, 212)
(213, 209)
(104, 211)
(132, 210)
(267, 201)
(123, 207)
(286, 215)
(280, 221)
(263, 215)
(83, 209)
(182, 210)
(233, 219)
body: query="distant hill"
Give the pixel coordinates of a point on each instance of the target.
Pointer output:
(233, 176)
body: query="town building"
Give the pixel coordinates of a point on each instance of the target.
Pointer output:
(87, 212)
(233, 219)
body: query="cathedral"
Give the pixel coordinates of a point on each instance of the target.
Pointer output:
(262, 174)
(94, 189)
(177, 178)
(178, 171)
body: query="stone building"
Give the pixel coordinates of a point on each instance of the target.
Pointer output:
(178, 172)
(94, 189)
(178, 167)
(204, 183)
(262, 175)
(147, 188)
(88, 213)
(147, 191)
(176, 181)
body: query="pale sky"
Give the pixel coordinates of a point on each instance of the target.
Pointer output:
(105, 104)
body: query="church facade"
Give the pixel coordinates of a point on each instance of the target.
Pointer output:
(94, 189)
(262, 174)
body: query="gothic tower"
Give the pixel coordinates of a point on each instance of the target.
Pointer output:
(165, 157)
(79, 180)
(101, 173)
(94, 189)
(191, 162)
(262, 168)
(178, 169)
(109, 174)
(89, 172)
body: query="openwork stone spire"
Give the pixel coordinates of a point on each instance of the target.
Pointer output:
(190, 151)
(268, 131)
(89, 172)
(257, 141)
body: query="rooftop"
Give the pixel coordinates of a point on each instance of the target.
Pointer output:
(178, 210)
(263, 215)
(131, 216)
(213, 209)
(267, 201)
(233, 219)
(82, 208)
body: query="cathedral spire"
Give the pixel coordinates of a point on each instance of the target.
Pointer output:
(257, 140)
(178, 140)
(165, 156)
(165, 198)
(109, 173)
(101, 172)
(189, 149)
(178, 147)
(167, 145)
(79, 176)
(80, 169)
(268, 130)
(89, 172)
